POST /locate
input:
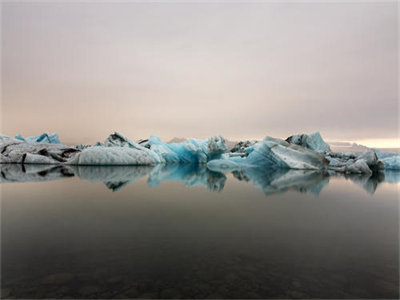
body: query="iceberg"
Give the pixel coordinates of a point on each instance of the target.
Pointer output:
(29, 152)
(301, 152)
(392, 162)
(111, 156)
(313, 141)
(116, 150)
(271, 153)
(43, 138)
(390, 159)
(366, 162)
(119, 150)
(189, 151)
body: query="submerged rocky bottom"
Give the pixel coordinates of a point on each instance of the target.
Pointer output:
(178, 270)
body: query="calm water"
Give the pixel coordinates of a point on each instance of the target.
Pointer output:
(184, 232)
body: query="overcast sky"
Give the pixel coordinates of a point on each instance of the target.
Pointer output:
(194, 70)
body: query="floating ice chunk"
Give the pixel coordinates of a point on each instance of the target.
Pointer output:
(167, 152)
(313, 141)
(371, 159)
(117, 139)
(294, 156)
(17, 151)
(269, 153)
(43, 138)
(107, 156)
(189, 151)
(240, 148)
(359, 167)
(116, 150)
(37, 159)
(392, 162)
(382, 154)
(275, 153)
(356, 163)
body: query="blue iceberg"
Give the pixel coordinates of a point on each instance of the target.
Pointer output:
(390, 159)
(189, 151)
(43, 138)
(392, 162)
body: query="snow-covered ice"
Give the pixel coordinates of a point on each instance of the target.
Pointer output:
(114, 156)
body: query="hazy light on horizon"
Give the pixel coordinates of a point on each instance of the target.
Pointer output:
(243, 70)
(380, 143)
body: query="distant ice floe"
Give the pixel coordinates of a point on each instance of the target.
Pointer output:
(391, 160)
(297, 152)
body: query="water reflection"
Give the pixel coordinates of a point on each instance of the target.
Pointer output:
(370, 183)
(70, 239)
(270, 181)
(276, 181)
(31, 173)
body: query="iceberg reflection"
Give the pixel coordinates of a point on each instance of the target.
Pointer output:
(275, 181)
(368, 183)
(33, 173)
(114, 177)
(270, 181)
(190, 174)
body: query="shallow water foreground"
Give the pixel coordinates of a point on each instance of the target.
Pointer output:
(191, 233)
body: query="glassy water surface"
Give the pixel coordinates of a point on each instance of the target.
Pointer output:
(185, 232)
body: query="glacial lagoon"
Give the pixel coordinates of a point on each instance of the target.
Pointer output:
(182, 231)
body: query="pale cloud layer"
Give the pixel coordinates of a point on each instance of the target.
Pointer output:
(240, 70)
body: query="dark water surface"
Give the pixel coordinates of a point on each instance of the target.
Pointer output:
(196, 234)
